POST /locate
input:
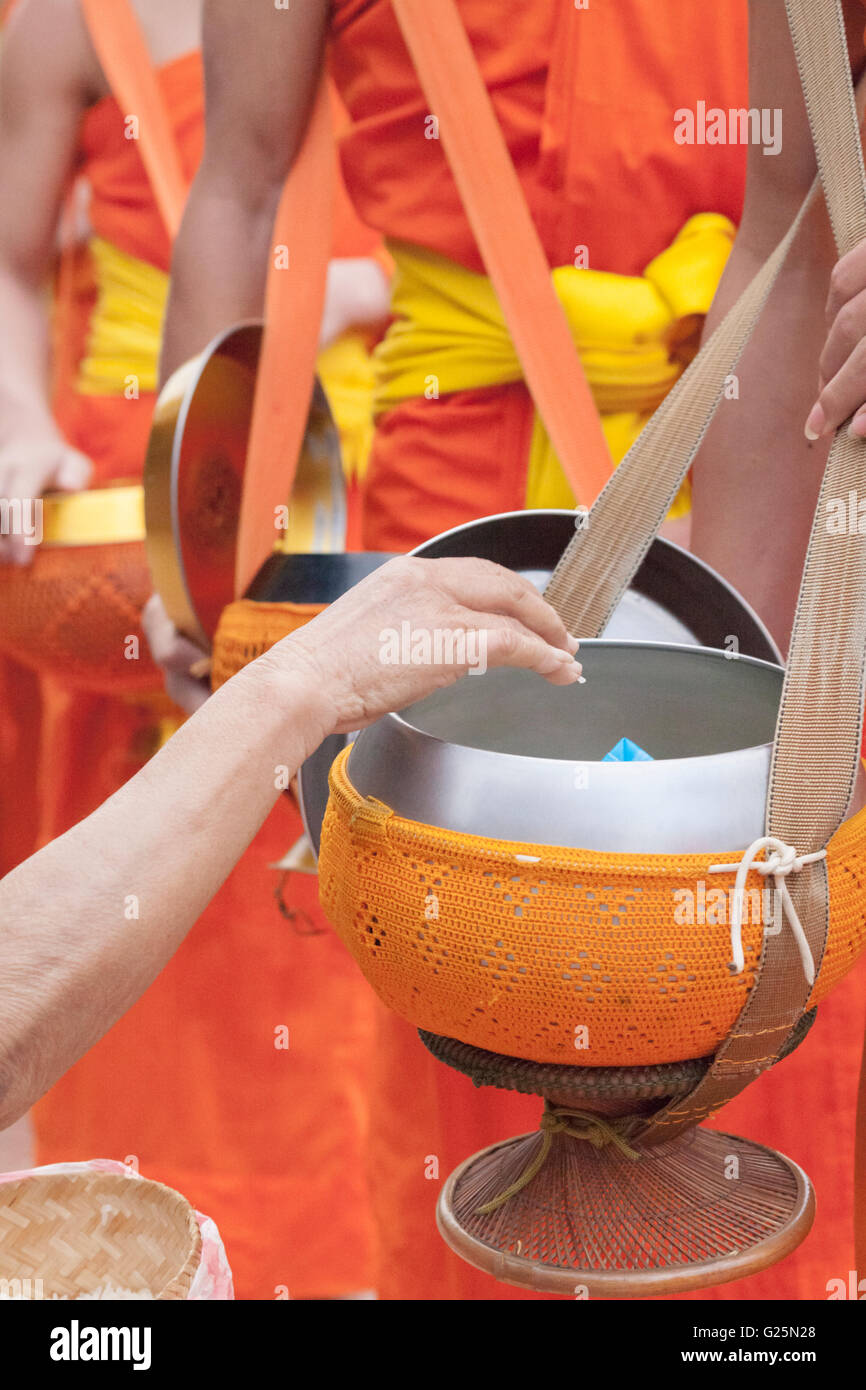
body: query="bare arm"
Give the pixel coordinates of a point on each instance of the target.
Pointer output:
(88, 922)
(46, 81)
(261, 71)
(756, 478)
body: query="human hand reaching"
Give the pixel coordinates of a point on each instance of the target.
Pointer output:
(453, 615)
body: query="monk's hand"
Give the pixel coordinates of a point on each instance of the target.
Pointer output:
(357, 295)
(182, 662)
(842, 385)
(33, 460)
(415, 626)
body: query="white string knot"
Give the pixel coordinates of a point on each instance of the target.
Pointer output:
(780, 861)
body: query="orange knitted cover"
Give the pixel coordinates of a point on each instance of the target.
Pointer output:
(73, 611)
(555, 955)
(247, 629)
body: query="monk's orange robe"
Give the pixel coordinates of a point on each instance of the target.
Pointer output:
(600, 169)
(20, 701)
(196, 1083)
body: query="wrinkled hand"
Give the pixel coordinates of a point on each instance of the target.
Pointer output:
(354, 655)
(31, 464)
(842, 387)
(176, 655)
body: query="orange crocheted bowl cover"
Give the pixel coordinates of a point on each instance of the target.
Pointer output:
(247, 629)
(556, 955)
(75, 612)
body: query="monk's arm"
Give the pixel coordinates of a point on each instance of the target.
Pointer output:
(88, 922)
(46, 73)
(756, 477)
(262, 66)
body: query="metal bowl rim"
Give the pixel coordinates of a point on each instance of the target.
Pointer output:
(714, 652)
(661, 540)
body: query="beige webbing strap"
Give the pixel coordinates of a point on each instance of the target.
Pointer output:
(817, 744)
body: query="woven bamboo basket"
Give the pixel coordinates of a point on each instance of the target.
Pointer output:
(70, 1235)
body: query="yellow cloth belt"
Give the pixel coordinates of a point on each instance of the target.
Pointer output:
(99, 516)
(345, 370)
(635, 335)
(125, 333)
(126, 325)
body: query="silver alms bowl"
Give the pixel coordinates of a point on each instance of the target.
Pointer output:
(507, 756)
(675, 599)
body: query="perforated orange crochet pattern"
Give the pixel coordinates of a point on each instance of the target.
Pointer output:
(72, 611)
(554, 955)
(247, 629)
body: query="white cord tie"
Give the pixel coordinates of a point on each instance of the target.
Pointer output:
(780, 861)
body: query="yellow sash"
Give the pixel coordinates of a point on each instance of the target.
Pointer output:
(125, 334)
(635, 335)
(99, 516)
(345, 369)
(125, 330)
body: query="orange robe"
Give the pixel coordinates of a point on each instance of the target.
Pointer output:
(268, 1141)
(20, 700)
(600, 169)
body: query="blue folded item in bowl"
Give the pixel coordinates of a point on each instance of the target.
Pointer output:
(627, 752)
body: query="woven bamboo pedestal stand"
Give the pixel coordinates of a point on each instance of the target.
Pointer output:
(594, 1221)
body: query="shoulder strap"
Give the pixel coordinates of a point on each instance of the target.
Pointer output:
(509, 243)
(497, 211)
(817, 744)
(129, 71)
(294, 303)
